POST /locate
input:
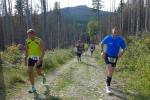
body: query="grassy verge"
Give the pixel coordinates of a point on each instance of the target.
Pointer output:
(54, 59)
(13, 71)
(133, 69)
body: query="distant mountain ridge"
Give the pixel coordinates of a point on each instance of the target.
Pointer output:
(81, 13)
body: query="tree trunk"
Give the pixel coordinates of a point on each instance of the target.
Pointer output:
(28, 15)
(146, 16)
(44, 20)
(138, 17)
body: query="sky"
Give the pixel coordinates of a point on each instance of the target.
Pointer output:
(71, 3)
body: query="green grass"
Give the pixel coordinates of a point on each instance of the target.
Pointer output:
(63, 83)
(97, 55)
(133, 69)
(86, 46)
(54, 59)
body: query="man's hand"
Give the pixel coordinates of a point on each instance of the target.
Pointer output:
(103, 54)
(120, 55)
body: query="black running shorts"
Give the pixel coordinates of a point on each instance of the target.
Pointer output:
(112, 63)
(32, 62)
(79, 54)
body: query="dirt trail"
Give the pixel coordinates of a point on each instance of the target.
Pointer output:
(73, 81)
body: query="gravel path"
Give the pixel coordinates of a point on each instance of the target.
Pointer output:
(73, 81)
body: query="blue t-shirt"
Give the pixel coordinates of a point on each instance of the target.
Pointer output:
(113, 45)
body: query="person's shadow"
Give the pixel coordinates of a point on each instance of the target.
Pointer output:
(46, 96)
(89, 65)
(2, 83)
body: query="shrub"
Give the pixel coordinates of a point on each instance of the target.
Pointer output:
(12, 55)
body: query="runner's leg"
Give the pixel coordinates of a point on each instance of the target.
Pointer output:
(30, 74)
(109, 72)
(40, 71)
(31, 78)
(80, 57)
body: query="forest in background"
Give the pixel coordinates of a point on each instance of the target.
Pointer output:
(62, 27)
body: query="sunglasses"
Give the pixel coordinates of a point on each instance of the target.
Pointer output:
(33, 33)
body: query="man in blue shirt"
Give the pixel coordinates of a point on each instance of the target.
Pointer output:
(115, 47)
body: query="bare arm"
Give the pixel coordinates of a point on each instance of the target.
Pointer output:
(102, 47)
(123, 46)
(26, 54)
(102, 51)
(121, 53)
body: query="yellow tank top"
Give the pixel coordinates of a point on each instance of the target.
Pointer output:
(34, 47)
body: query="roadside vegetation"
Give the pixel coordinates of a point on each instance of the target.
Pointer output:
(134, 67)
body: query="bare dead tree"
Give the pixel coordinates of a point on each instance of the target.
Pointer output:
(44, 18)
(146, 15)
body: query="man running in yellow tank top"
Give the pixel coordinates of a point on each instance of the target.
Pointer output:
(34, 54)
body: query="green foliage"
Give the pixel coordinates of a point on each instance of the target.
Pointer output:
(134, 67)
(92, 28)
(20, 7)
(12, 55)
(86, 46)
(15, 75)
(121, 6)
